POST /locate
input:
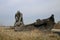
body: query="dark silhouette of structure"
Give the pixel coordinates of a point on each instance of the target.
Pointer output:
(18, 19)
(46, 24)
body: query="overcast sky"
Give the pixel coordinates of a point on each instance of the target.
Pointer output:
(31, 10)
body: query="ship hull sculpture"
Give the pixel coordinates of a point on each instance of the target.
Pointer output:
(45, 24)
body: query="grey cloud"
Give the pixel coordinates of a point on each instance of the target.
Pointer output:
(31, 9)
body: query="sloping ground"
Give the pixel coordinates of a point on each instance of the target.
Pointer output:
(10, 34)
(57, 26)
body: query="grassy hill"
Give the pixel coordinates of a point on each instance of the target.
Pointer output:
(10, 34)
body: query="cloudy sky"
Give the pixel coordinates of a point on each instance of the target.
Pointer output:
(31, 10)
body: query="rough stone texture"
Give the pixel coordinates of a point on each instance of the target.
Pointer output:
(45, 24)
(18, 19)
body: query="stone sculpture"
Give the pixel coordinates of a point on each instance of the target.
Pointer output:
(46, 24)
(18, 19)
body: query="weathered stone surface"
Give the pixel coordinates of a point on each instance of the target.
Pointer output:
(25, 28)
(45, 24)
(18, 19)
(49, 22)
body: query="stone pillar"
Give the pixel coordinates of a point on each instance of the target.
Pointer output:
(18, 19)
